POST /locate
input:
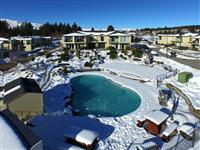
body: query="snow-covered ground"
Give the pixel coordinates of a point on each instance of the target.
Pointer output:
(134, 69)
(115, 132)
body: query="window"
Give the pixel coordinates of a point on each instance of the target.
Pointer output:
(160, 37)
(28, 42)
(102, 38)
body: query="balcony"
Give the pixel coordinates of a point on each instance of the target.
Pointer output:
(79, 40)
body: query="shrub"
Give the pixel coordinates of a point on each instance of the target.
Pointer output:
(48, 55)
(184, 77)
(59, 60)
(137, 53)
(33, 59)
(182, 48)
(124, 51)
(113, 53)
(110, 48)
(41, 53)
(65, 56)
(65, 70)
(78, 54)
(88, 64)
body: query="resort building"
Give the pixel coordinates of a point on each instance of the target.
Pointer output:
(29, 43)
(16, 135)
(5, 47)
(23, 97)
(187, 38)
(196, 42)
(74, 40)
(169, 39)
(21, 44)
(119, 40)
(98, 39)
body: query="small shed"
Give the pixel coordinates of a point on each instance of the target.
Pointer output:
(82, 137)
(155, 122)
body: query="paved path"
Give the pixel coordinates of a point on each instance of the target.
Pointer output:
(194, 111)
(189, 62)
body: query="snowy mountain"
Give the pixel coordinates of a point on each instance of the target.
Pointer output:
(13, 23)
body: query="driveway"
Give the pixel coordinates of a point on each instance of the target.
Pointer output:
(189, 62)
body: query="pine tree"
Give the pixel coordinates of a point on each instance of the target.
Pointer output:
(92, 29)
(79, 28)
(74, 27)
(68, 29)
(110, 28)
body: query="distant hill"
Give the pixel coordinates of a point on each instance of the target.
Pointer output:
(13, 23)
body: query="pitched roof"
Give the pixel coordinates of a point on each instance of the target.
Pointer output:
(96, 33)
(18, 87)
(190, 34)
(20, 38)
(118, 34)
(4, 39)
(74, 34)
(25, 134)
(177, 35)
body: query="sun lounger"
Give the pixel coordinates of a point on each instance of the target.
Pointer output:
(169, 132)
(69, 147)
(148, 146)
(187, 131)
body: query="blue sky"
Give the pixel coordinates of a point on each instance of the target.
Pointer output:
(101, 13)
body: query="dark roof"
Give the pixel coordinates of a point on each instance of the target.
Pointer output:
(27, 136)
(29, 85)
(26, 86)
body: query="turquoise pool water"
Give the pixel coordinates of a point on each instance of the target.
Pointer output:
(99, 96)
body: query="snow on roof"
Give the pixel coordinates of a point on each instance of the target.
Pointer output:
(46, 37)
(190, 34)
(168, 35)
(131, 33)
(9, 139)
(186, 128)
(81, 135)
(197, 37)
(4, 39)
(12, 90)
(20, 38)
(87, 136)
(74, 34)
(96, 33)
(65, 146)
(118, 34)
(157, 117)
(170, 129)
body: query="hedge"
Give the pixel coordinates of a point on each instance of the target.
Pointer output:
(184, 77)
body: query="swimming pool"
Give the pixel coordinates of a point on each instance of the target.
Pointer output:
(97, 95)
